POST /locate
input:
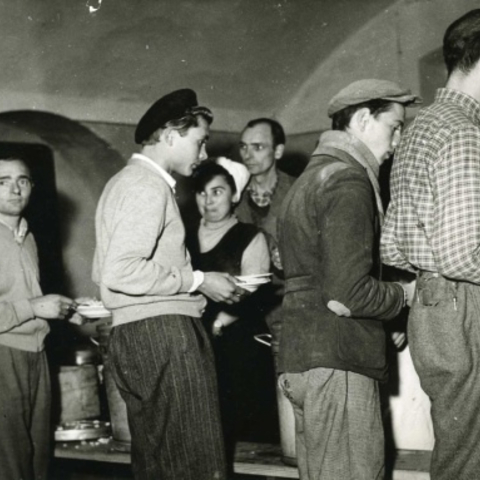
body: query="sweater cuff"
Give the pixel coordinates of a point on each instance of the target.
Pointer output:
(23, 310)
(198, 278)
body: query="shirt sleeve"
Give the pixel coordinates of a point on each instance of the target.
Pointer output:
(256, 257)
(15, 313)
(128, 266)
(346, 242)
(390, 254)
(455, 238)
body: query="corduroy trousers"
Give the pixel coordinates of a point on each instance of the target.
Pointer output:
(165, 371)
(25, 400)
(444, 338)
(338, 424)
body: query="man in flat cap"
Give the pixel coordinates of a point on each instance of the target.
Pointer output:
(159, 353)
(432, 228)
(332, 343)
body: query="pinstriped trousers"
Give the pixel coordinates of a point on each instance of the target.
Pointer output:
(164, 369)
(338, 425)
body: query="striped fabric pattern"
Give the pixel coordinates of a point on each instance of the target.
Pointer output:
(164, 369)
(433, 220)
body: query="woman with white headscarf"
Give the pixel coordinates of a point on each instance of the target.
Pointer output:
(222, 243)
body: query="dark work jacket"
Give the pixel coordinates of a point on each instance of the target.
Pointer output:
(328, 240)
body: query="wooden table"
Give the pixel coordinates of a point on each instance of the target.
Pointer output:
(250, 459)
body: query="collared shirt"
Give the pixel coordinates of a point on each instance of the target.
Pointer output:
(165, 175)
(433, 220)
(262, 198)
(19, 232)
(198, 276)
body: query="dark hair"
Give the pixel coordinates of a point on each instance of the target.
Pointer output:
(461, 43)
(182, 124)
(341, 119)
(206, 172)
(14, 158)
(278, 134)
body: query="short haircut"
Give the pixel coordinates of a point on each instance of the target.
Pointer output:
(278, 134)
(13, 158)
(206, 172)
(182, 124)
(461, 43)
(341, 119)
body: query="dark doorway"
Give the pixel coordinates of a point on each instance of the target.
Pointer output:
(42, 211)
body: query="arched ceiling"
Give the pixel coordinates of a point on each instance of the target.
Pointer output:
(240, 55)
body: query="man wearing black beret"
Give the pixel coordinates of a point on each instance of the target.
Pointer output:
(159, 353)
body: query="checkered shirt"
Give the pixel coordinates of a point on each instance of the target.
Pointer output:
(433, 220)
(262, 199)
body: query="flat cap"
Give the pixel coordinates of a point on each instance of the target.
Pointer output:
(371, 89)
(170, 107)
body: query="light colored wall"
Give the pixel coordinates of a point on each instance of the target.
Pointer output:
(391, 46)
(274, 58)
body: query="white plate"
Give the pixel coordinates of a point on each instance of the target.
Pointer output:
(259, 281)
(93, 311)
(249, 288)
(258, 276)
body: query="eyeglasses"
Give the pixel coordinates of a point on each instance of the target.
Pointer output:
(23, 182)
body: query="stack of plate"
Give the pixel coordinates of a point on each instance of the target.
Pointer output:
(96, 310)
(252, 282)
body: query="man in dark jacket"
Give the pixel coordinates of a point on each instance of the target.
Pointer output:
(332, 344)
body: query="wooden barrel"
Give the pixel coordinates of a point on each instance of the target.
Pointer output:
(116, 404)
(78, 391)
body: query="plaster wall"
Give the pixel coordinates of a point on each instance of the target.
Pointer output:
(394, 45)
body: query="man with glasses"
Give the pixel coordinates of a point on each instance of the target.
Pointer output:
(24, 376)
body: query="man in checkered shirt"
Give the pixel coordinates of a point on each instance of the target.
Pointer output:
(433, 228)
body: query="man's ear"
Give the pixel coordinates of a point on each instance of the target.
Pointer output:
(360, 119)
(278, 152)
(169, 135)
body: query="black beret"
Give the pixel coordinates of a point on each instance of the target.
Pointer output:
(173, 106)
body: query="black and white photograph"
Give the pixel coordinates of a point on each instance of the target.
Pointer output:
(240, 240)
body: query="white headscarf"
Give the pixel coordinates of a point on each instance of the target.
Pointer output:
(239, 172)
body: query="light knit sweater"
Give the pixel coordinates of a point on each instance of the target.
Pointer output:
(19, 281)
(141, 263)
